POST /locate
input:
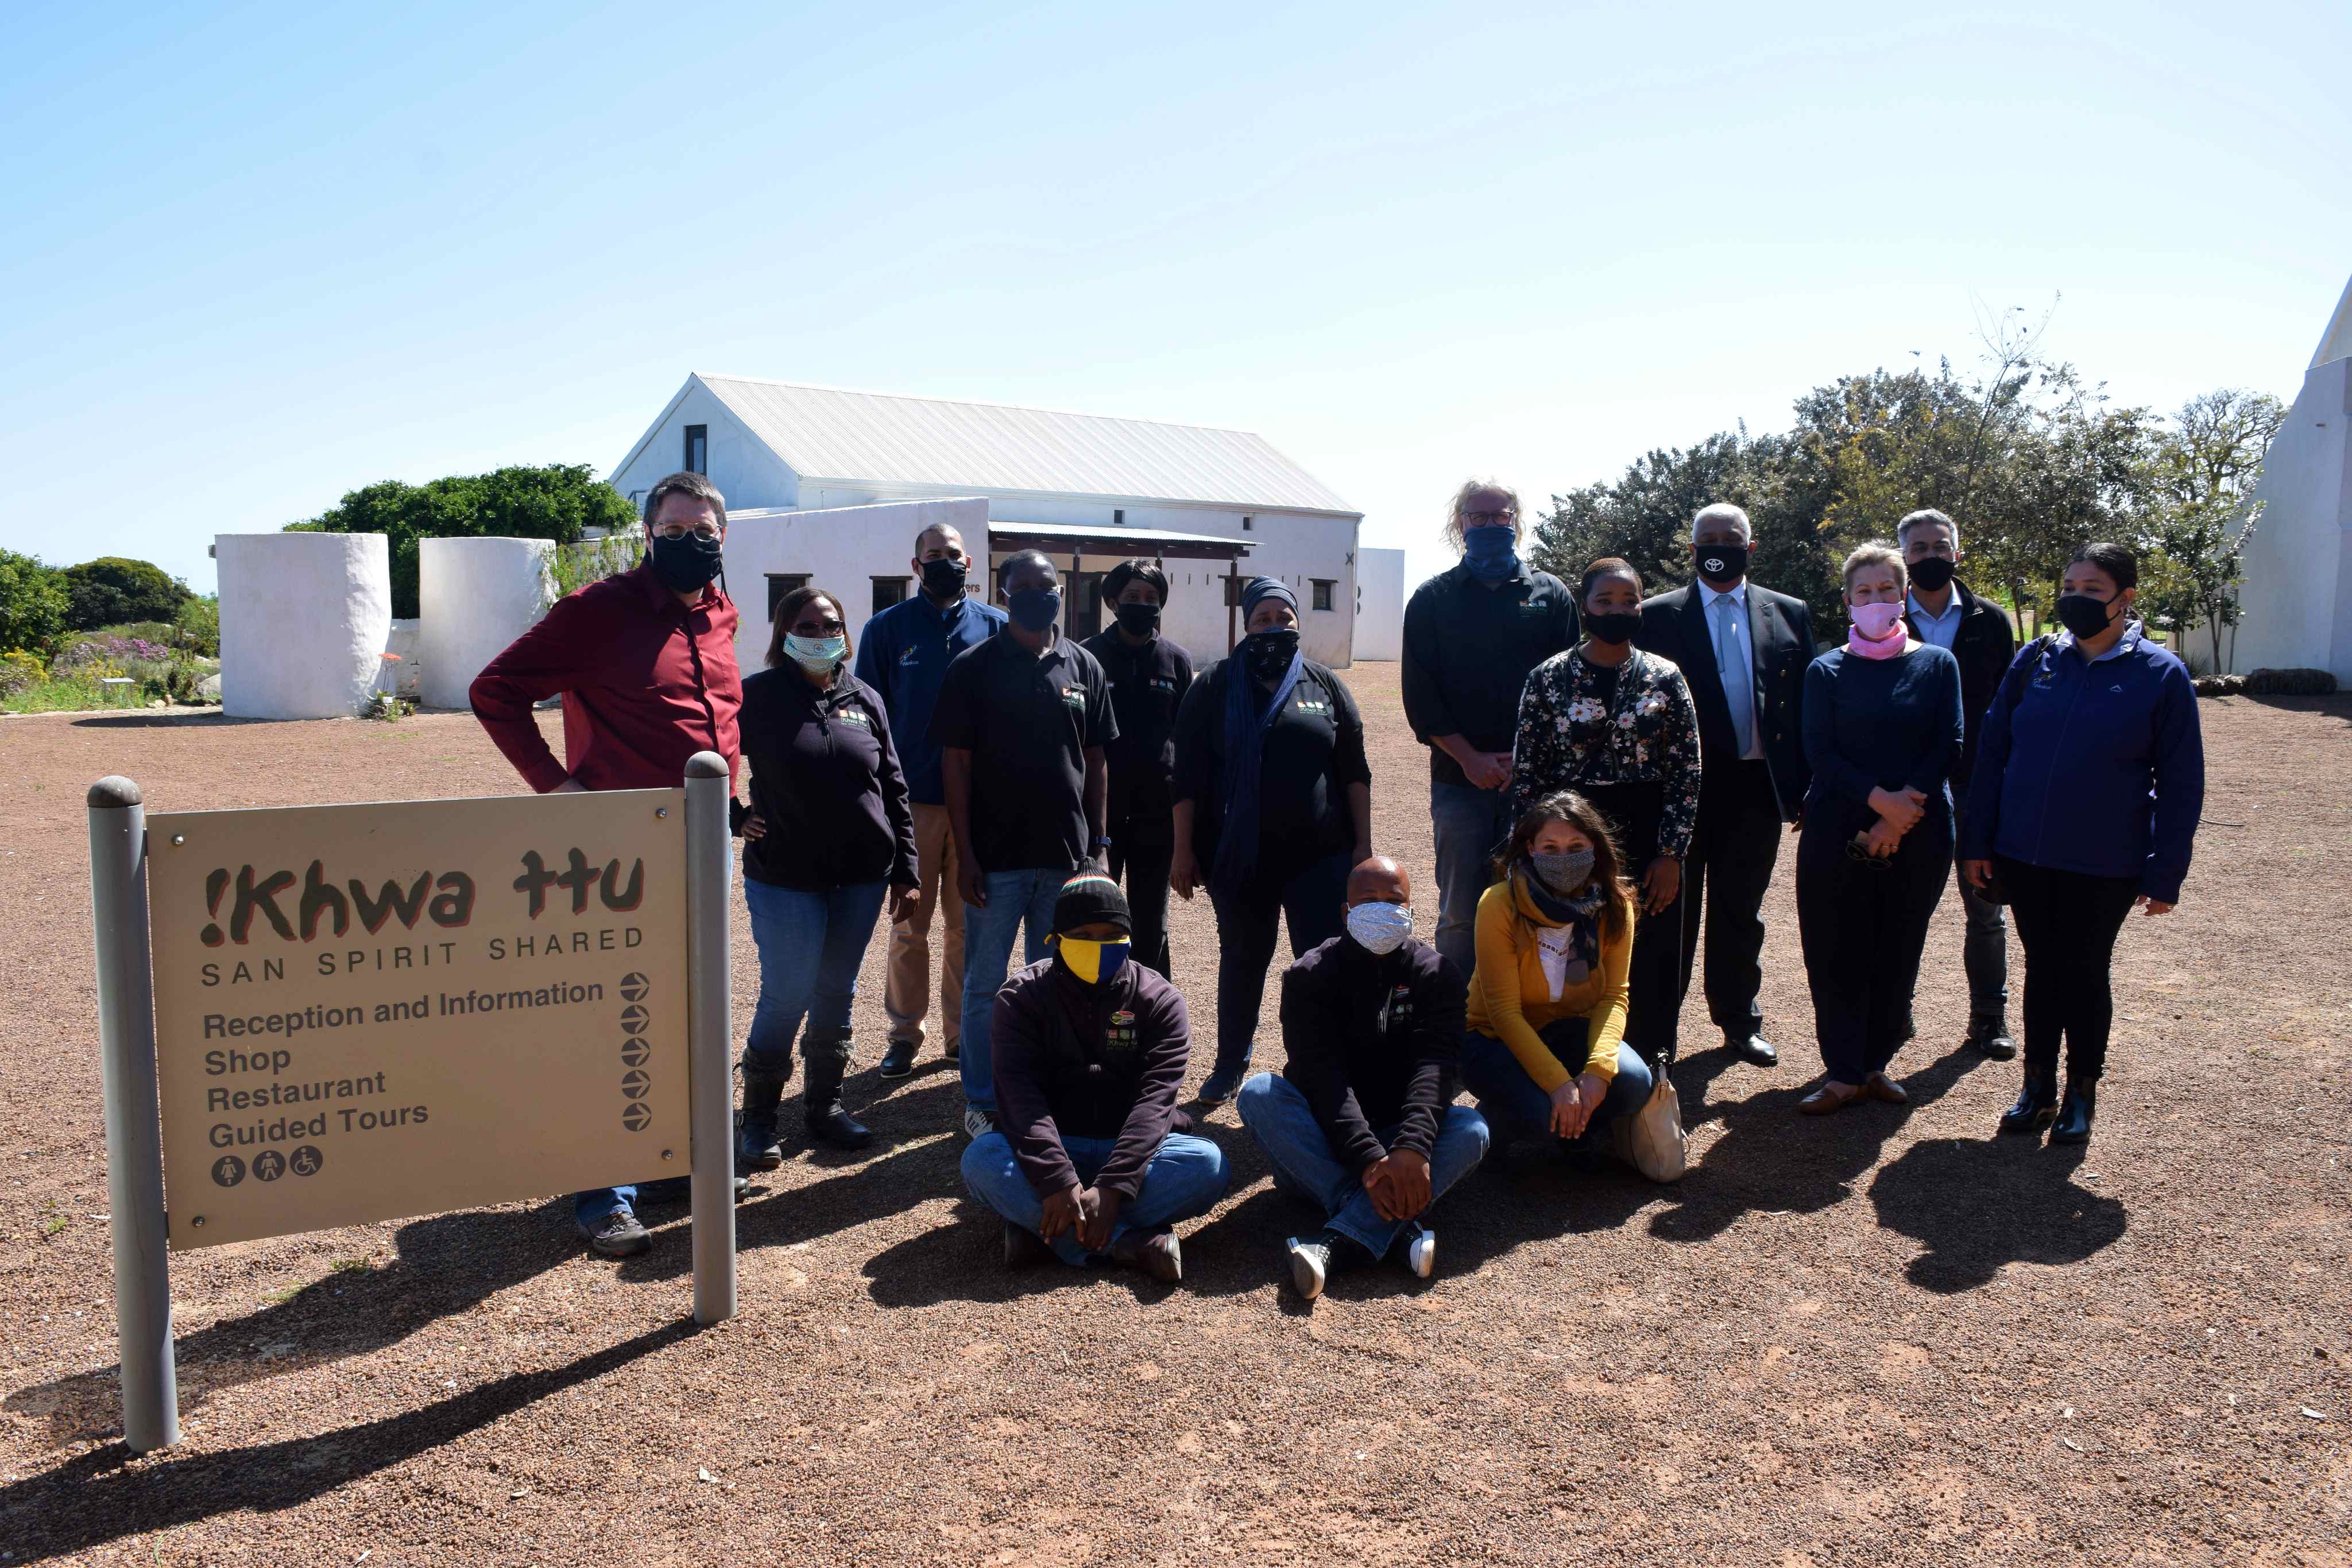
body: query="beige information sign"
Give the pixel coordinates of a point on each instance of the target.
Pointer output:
(364, 1012)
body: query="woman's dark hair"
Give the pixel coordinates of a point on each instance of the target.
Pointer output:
(1607, 566)
(788, 610)
(2118, 562)
(1608, 860)
(1116, 579)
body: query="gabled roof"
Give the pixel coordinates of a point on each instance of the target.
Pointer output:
(2336, 343)
(824, 433)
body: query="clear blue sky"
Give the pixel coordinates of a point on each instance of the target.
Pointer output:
(257, 256)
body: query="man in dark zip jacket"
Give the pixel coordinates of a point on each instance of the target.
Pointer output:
(1093, 1159)
(1976, 631)
(1362, 1119)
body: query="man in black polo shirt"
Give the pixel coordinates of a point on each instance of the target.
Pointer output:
(1149, 676)
(1471, 637)
(1362, 1120)
(1022, 722)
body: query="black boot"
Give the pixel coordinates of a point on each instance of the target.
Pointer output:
(755, 1133)
(2038, 1106)
(828, 1057)
(2074, 1112)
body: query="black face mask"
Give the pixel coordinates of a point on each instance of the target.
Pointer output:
(1614, 627)
(943, 578)
(1269, 653)
(685, 563)
(1138, 620)
(1933, 573)
(2084, 615)
(1721, 563)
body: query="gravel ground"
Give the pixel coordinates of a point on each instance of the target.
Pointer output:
(1880, 1338)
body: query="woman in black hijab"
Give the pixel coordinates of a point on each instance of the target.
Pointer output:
(1274, 802)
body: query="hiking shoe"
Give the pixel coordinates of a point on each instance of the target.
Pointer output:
(977, 1123)
(1421, 1250)
(898, 1060)
(1153, 1251)
(1990, 1038)
(1222, 1085)
(617, 1235)
(1024, 1248)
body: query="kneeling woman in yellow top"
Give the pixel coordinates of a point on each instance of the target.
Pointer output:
(1545, 1053)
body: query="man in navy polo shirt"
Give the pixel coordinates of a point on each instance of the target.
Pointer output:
(903, 654)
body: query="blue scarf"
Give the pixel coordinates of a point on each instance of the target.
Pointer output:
(1245, 727)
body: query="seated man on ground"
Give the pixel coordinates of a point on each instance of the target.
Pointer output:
(1362, 1119)
(1088, 1053)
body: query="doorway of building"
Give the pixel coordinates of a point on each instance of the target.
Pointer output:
(1081, 605)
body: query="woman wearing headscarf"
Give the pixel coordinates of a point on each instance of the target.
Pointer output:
(1274, 804)
(1546, 1053)
(829, 834)
(1616, 725)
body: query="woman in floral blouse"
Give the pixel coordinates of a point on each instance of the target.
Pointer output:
(1616, 725)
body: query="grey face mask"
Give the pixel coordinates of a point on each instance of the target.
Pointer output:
(1562, 874)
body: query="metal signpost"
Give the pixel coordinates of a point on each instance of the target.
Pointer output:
(320, 1016)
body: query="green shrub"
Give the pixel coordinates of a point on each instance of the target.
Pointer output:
(114, 588)
(199, 626)
(19, 672)
(33, 602)
(2290, 684)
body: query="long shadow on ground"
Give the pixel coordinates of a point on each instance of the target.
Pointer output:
(1979, 1207)
(1772, 1158)
(104, 1495)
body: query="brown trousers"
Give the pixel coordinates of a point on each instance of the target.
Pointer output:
(906, 993)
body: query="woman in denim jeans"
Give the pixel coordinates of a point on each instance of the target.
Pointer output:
(828, 833)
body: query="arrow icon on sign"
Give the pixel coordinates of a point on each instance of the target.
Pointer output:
(633, 987)
(633, 1084)
(635, 1019)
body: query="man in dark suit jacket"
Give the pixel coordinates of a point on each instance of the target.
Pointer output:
(1744, 650)
(1942, 610)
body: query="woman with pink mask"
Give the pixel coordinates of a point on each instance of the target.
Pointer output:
(1883, 728)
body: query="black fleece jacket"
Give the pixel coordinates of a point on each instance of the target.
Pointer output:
(1374, 1041)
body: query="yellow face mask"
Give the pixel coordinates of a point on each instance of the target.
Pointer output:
(1093, 962)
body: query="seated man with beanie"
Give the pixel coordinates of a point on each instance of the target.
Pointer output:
(1088, 1052)
(1362, 1119)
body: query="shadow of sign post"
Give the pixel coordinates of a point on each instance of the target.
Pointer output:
(320, 1016)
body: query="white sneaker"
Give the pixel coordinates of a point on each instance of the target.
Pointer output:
(977, 1123)
(1420, 1253)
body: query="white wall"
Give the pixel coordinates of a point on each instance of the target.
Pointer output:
(2295, 607)
(477, 595)
(743, 467)
(304, 619)
(841, 548)
(1380, 604)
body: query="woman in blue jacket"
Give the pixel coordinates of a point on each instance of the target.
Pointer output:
(2089, 780)
(1883, 731)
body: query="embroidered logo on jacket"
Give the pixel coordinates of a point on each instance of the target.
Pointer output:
(1121, 1035)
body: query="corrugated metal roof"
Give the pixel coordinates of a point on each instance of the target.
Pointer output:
(824, 432)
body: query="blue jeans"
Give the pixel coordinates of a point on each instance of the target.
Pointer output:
(1013, 898)
(1185, 1179)
(1468, 823)
(1284, 1125)
(1984, 951)
(810, 946)
(1519, 1109)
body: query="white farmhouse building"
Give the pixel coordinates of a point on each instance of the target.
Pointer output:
(1213, 507)
(2295, 605)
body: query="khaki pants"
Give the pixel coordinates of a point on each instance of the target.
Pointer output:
(906, 994)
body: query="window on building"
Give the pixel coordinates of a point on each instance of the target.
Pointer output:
(781, 584)
(1117, 516)
(1247, 525)
(697, 449)
(1323, 587)
(889, 590)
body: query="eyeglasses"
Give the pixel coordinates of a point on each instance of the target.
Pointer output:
(1489, 519)
(831, 627)
(703, 531)
(1856, 849)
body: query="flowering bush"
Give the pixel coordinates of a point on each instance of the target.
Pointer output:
(19, 672)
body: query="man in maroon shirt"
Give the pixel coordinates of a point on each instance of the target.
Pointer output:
(644, 661)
